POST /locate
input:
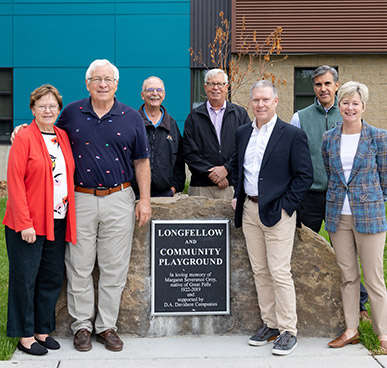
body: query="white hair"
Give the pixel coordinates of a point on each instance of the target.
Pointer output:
(211, 73)
(101, 62)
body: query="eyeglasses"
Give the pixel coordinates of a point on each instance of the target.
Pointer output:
(151, 90)
(52, 108)
(220, 85)
(98, 80)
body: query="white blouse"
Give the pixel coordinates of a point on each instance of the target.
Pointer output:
(59, 175)
(348, 148)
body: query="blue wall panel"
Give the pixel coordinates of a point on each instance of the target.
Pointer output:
(87, 2)
(6, 41)
(69, 81)
(163, 7)
(5, 8)
(153, 40)
(54, 41)
(64, 9)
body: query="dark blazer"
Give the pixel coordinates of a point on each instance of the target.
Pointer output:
(285, 176)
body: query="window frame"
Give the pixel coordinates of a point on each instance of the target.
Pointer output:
(301, 94)
(5, 138)
(197, 90)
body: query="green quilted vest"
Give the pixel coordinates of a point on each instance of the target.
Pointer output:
(315, 121)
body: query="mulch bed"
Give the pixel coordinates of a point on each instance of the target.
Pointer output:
(3, 189)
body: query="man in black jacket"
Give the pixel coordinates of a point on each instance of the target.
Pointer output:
(165, 142)
(209, 134)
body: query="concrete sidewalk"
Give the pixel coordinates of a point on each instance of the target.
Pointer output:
(199, 351)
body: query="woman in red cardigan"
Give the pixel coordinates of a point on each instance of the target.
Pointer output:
(39, 218)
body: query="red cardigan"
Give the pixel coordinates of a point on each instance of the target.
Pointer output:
(30, 184)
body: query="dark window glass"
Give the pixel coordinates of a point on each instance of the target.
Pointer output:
(303, 88)
(6, 103)
(198, 93)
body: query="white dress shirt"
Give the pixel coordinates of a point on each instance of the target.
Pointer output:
(254, 154)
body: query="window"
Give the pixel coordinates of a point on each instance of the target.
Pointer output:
(303, 87)
(6, 102)
(198, 94)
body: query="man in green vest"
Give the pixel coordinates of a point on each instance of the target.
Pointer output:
(315, 119)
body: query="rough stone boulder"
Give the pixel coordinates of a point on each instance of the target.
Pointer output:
(314, 268)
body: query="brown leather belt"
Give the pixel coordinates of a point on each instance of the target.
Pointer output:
(102, 191)
(253, 198)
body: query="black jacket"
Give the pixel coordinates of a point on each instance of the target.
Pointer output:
(202, 150)
(166, 156)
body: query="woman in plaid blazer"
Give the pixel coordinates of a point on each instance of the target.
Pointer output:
(355, 158)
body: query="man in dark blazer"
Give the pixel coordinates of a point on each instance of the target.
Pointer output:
(271, 172)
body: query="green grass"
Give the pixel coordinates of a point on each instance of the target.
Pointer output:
(186, 186)
(7, 345)
(367, 336)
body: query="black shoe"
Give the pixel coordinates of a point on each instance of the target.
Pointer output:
(263, 336)
(50, 343)
(35, 349)
(284, 344)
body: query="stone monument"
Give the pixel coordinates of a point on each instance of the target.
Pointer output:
(315, 272)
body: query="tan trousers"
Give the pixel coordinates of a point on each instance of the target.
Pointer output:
(348, 245)
(212, 192)
(270, 251)
(104, 232)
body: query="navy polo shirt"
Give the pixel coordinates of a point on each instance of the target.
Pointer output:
(104, 148)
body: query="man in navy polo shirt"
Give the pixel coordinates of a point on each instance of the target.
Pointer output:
(108, 140)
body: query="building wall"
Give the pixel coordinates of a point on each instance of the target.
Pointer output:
(368, 69)
(54, 41)
(349, 27)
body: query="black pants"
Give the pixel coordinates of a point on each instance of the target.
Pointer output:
(35, 280)
(312, 214)
(166, 193)
(312, 210)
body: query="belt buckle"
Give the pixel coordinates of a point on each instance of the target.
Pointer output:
(100, 189)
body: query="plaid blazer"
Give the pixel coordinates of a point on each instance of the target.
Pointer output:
(367, 184)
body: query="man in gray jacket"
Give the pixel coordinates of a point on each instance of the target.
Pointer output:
(315, 119)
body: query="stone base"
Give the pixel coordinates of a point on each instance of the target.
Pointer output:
(314, 268)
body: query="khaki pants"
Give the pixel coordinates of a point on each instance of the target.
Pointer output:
(104, 232)
(270, 251)
(348, 245)
(212, 192)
